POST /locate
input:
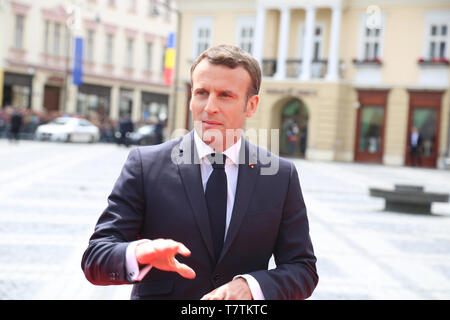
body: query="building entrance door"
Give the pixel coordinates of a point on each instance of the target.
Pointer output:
(294, 129)
(424, 114)
(51, 98)
(369, 145)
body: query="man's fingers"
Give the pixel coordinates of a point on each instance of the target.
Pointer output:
(216, 294)
(183, 250)
(184, 270)
(209, 295)
(163, 252)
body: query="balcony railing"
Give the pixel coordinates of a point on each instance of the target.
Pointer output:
(269, 67)
(294, 68)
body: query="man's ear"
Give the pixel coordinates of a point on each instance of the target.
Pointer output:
(252, 105)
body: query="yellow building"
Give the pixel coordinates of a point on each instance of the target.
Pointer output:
(342, 80)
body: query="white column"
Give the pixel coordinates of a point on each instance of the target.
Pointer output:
(71, 98)
(258, 53)
(114, 102)
(307, 53)
(333, 55)
(38, 85)
(283, 42)
(136, 111)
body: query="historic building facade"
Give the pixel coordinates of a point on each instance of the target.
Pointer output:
(123, 56)
(342, 80)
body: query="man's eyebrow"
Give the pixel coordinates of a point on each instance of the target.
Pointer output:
(231, 92)
(198, 88)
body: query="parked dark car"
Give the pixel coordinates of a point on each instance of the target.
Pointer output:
(143, 136)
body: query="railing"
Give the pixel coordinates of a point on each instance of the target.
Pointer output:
(294, 68)
(269, 67)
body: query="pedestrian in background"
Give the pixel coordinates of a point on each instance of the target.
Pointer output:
(415, 144)
(125, 128)
(15, 123)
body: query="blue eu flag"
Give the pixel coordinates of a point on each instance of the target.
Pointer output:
(78, 62)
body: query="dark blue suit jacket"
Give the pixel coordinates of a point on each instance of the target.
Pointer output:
(159, 194)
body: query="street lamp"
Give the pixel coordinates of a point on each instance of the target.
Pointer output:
(76, 11)
(172, 106)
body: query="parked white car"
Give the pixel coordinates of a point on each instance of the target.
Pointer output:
(68, 129)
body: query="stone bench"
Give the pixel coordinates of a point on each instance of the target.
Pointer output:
(409, 199)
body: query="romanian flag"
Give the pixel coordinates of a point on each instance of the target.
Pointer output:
(169, 62)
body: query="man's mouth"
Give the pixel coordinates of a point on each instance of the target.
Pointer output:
(212, 123)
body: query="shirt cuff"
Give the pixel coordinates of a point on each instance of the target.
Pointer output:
(254, 286)
(133, 272)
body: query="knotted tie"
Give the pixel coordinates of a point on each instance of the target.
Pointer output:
(216, 200)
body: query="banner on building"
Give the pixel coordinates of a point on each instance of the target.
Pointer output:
(169, 62)
(1, 87)
(78, 62)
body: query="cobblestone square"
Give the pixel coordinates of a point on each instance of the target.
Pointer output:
(51, 195)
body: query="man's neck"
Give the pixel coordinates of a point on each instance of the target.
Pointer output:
(217, 146)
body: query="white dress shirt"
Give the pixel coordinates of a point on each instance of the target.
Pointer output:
(414, 139)
(231, 170)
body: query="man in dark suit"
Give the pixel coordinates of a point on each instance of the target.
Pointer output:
(15, 125)
(415, 144)
(209, 199)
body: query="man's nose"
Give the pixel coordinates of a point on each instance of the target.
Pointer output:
(211, 104)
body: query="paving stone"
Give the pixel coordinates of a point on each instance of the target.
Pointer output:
(51, 195)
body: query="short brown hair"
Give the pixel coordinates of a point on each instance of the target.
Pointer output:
(232, 57)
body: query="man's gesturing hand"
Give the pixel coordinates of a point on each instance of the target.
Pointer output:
(160, 253)
(236, 289)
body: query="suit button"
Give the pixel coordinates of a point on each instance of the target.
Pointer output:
(216, 277)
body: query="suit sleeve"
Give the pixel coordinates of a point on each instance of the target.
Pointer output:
(295, 276)
(104, 261)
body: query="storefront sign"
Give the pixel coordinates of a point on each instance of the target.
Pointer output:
(291, 91)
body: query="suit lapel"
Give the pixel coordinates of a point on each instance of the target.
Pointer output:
(247, 176)
(189, 168)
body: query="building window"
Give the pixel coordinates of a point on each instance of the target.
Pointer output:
(129, 53)
(167, 7)
(436, 36)
(68, 40)
(18, 39)
(148, 56)
(154, 107)
(202, 35)
(317, 41)
(93, 100)
(132, 5)
(125, 103)
(109, 49)
(438, 41)
(153, 8)
(245, 33)
(90, 46)
(20, 96)
(371, 40)
(371, 44)
(47, 36)
(56, 39)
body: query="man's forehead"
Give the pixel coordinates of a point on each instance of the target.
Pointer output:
(207, 74)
